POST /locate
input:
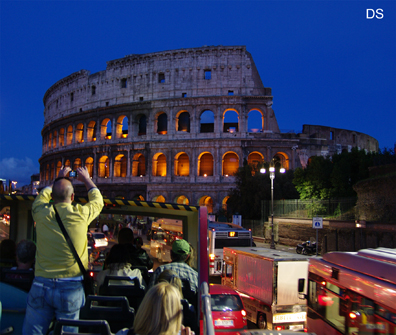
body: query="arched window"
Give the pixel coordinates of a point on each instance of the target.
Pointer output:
(120, 166)
(67, 163)
(76, 164)
(105, 129)
(58, 167)
(183, 122)
(91, 131)
(159, 198)
(205, 164)
(182, 164)
(207, 122)
(255, 121)
(55, 139)
(182, 199)
(104, 167)
(159, 165)
(206, 201)
(224, 203)
(69, 135)
(89, 166)
(50, 141)
(80, 133)
(162, 124)
(281, 160)
(230, 121)
(138, 165)
(230, 164)
(142, 125)
(61, 137)
(122, 127)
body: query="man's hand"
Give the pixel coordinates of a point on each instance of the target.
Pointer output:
(83, 174)
(64, 171)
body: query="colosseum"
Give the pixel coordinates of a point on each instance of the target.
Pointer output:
(174, 126)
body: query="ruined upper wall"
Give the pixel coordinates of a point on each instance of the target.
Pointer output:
(194, 72)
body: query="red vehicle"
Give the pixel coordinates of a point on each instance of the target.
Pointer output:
(229, 315)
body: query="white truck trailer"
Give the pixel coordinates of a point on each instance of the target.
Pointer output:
(267, 281)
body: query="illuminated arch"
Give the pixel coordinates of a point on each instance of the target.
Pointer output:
(76, 163)
(138, 197)
(50, 141)
(182, 164)
(162, 123)
(122, 127)
(224, 203)
(159, 198)
(105, 129)
(61, 137)
(281, 160)
(67, 163)
(104, 167)
(230, 121)
(58, 167)
(183, 121)
(205, 164)
(79, 133)
(255, 158)
(138, 165)
(120, 166)
(182, 200)
(91, 131)
(207, 202)
(69, 135)
(159, 165)
(230, 163)
(255, 121)
(55, 139)
(89, 165)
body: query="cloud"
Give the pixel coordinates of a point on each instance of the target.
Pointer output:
(19, 170)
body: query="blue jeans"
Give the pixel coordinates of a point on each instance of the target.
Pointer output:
(52, 297)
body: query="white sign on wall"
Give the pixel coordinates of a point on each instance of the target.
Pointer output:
(237, 219)
(317, 223)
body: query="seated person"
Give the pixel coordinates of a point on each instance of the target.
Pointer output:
(125, 236)
(118, 263)
(25, 255)
(189, 314)
(159, 313)
(142, 254)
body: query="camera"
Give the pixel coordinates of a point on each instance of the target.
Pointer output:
(73, 174)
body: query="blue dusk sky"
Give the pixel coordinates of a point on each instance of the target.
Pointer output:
(326, 62)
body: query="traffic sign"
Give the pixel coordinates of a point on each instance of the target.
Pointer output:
(317, 223)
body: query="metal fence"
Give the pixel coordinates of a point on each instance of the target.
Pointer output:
(340, 209)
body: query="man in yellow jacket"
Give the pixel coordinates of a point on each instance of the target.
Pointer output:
(57, 289)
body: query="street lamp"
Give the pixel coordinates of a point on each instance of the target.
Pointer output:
(272, 177)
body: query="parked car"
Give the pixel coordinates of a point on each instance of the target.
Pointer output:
(229, 315)
(100, 240)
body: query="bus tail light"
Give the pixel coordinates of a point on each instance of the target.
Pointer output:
(212, 257)
(279, 327)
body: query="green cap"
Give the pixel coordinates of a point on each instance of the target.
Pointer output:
(181, 247)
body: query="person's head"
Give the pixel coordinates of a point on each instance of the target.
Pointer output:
(171, 277)
(180, 251)
(160, 312)
(139, 242)
(8, 249)
(125, 235)
(26, 254)
(62, 190)
(119, 255)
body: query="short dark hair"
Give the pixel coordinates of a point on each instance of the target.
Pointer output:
(125, 235)
(26, 251)
(179, 257)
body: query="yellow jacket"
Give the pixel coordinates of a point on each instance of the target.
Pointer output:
(54, 258)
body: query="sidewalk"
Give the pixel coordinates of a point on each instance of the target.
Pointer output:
(262, 243)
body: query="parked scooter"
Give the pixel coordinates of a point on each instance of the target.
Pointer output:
(306, 248)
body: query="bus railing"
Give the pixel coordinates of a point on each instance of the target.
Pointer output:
(208, 328)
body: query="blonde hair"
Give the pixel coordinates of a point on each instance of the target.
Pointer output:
(160, 312)
(169, 276)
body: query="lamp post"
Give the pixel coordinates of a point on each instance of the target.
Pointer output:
(272, 177)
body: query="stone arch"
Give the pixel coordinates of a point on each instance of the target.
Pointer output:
(91, 131)
(206, 201)
(105, 129)
(230, 163)
(182, 200)
(50, 141)
(161, 122)
(122, 127)
(183, 121)
(69, 135)
(182, 164)
(138, 197)
(62, 137)
(255, 121)
(89, 165)
(159, 165)
(255, 158)
(104, 167)
(224, 203)
(55, 139)
(159, 198)
(77, 163)
(138, 165)
(230, 121)
(142, 123)
(79, 133)
(58, 167)
(67, 163)
(205, 164)
(281, 160)
(120, 166)
(206, 121)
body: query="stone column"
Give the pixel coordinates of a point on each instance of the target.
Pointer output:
(128, 175)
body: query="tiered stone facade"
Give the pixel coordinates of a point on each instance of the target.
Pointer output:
(174, 126)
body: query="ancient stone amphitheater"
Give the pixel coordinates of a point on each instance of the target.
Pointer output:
(174, 126)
